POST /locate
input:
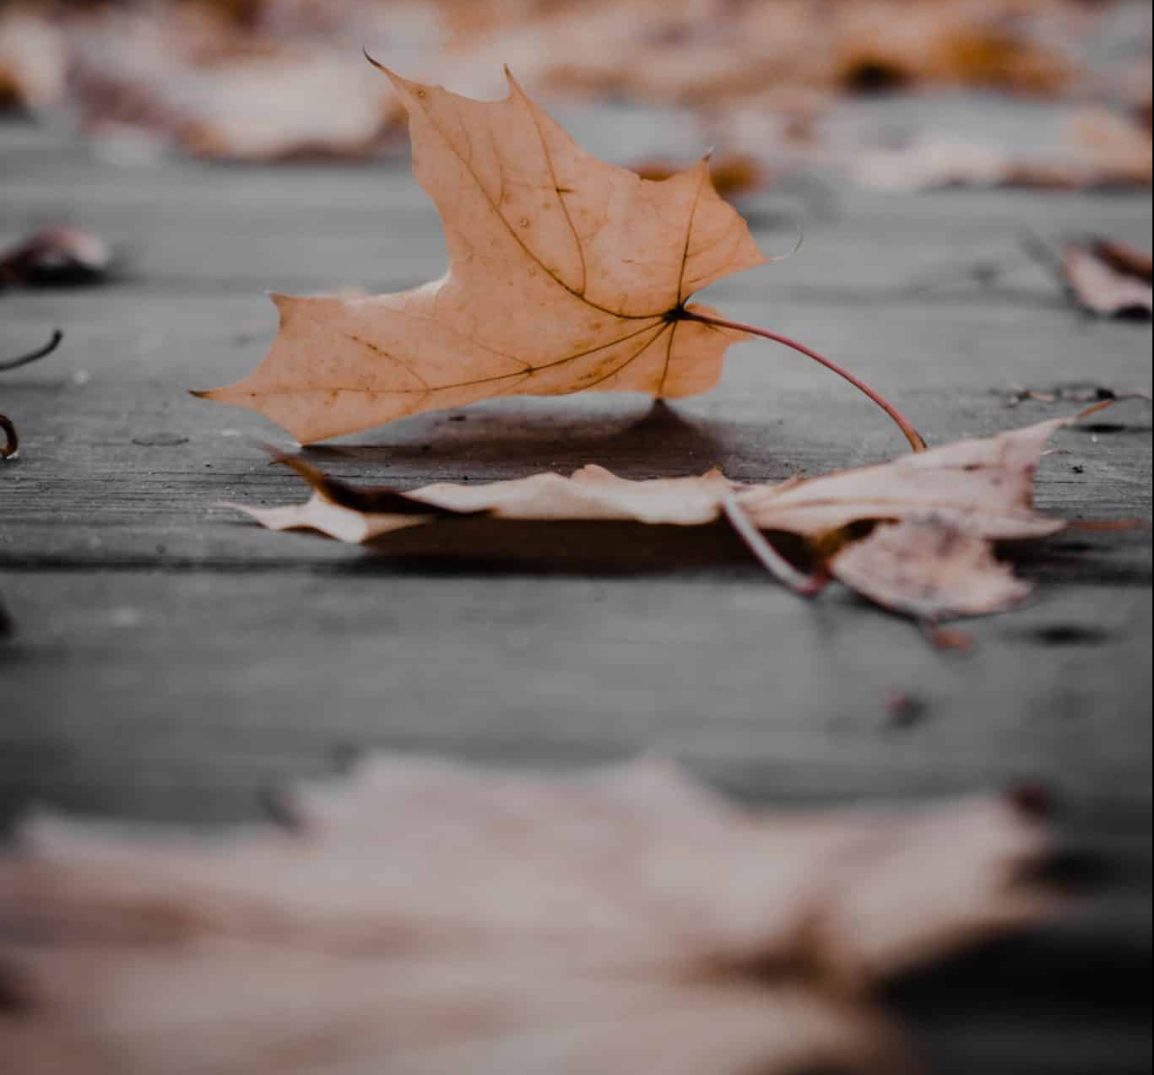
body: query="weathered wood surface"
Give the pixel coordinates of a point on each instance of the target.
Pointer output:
(172, 662)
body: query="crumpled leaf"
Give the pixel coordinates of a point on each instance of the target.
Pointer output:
(427, 919)
(566, 274)
(929, 569)
(951, 503)
(984, 485)
(1108, 278)
(58, 256)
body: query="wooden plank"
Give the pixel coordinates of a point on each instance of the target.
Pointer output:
(120, 463)
(186, 698)
(136, 692)
(951, 243)
(173, 663)
(305, 228)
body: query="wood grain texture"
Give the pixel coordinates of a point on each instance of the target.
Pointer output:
(169, 661)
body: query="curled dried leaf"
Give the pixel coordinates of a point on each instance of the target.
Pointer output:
(593, 493)
(984, 485)
(913, 534)
(61, 256)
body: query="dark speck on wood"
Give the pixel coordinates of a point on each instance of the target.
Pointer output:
(1070, 634)
(159, 440)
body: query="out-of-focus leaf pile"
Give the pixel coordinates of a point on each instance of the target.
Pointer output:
(776, 81)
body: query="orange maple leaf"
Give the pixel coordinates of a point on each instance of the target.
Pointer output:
(566, 274)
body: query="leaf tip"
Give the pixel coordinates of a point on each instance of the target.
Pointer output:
(377, 63)
(514, 86)
(281, 302)
(401, 85)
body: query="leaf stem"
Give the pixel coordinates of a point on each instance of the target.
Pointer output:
(917, 442)
(11, 444)
(772, 560)
(33, 356)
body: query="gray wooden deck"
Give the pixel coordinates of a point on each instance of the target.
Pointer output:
(169, 661)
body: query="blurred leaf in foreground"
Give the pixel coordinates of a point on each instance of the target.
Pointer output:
(430, 919)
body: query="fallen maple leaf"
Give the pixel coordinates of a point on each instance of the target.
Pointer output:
(427, 919)
(951, 502)
(566, 274)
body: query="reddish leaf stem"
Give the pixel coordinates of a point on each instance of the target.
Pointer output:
(11, 444)
(917, 442)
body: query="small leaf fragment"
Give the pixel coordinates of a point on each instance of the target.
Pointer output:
(929, 569)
